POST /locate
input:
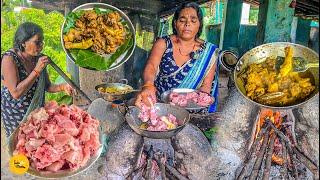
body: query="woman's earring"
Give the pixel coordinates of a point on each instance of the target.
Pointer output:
(21, 47)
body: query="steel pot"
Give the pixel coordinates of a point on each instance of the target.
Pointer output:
(260, 53)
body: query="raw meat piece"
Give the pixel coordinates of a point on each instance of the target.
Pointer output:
(56, 137)
(54, 167)
(155, 123)
(200, 98)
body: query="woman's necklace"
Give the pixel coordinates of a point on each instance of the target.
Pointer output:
(32, 60)
(188, 54)
(26, 63)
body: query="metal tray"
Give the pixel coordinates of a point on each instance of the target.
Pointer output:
(192, 106)
(127, 54)
(13, 139)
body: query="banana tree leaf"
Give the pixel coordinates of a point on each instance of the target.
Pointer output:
(89, 59)
(67, 100)
(71, 20)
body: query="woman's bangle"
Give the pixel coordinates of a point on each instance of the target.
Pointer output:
(61, 88)
(148, 85)
(37, 73)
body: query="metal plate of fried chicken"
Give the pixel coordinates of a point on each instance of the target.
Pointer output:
(98, 36)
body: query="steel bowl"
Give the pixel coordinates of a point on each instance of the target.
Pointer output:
(116, 96)
(162, 109)
(13, 140)
(260, 53)
(126, 55)
(191, 106)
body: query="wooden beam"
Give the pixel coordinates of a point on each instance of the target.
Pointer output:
(275, 23)
(231, 25)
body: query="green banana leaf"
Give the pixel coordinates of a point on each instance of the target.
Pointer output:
(91, 60)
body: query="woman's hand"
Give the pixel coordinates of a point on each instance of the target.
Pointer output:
(67, 89)
(42, 63)
(147, 96)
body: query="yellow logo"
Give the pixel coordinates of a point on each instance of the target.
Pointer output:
(19, 164)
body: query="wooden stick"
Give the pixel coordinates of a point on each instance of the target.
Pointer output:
(162, 168)
(292, 159)
(149, 163)
(266, 172)
(175, 172)
(278, 132)
(284, 170)
(170, 176)
(259, 159)
(307, 162)
(288, 145)
(249, 154)
(298, 150)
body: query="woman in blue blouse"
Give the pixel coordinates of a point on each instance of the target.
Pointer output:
(181, 60)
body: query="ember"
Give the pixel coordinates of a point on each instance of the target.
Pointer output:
(274, 142)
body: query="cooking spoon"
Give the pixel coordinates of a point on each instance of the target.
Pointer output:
(272, 95)
(299, 64)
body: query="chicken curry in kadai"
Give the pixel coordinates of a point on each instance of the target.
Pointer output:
(264, 79)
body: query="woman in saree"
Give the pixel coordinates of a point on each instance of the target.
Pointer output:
(24, 78)
(181, 60)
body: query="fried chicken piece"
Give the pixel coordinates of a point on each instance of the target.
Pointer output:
(84, 44)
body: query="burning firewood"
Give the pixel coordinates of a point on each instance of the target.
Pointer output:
(149, 163)
(266, 173)
(259, 159)
(277, 144)
(288, 146)
(249, 154)
(284, 171)
(307, 162)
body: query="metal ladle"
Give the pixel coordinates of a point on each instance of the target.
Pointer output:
(299, 64)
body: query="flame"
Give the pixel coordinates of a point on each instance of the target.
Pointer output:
(275, 118)
(276, 159)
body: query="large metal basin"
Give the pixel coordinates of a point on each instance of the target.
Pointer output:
(260, 53)
(13, 140)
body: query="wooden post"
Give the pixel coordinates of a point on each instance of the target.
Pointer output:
(303, 31)
(275, 19)
(231, 25)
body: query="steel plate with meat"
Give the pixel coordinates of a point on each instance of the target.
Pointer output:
(58, 139)
(95, 35)
(189, 99)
